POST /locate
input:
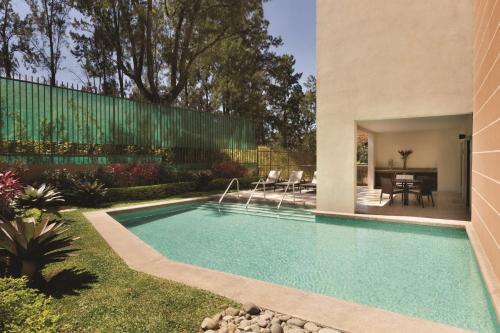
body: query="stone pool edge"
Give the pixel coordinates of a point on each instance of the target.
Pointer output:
(328, 311)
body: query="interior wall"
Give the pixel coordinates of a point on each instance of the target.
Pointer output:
(431, 149)
(485, 210)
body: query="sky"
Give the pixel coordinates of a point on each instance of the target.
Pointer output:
(293, 20)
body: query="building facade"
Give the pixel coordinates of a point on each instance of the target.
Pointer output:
(411, 73)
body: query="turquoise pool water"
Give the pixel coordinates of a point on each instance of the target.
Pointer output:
(422, 271)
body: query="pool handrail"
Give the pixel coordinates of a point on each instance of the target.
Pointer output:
(254, 190)
(228, 187)
(284, 194)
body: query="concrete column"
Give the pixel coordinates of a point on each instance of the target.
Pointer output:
(336, 156)
(371, 160)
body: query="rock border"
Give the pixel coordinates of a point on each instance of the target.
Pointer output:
(253, 319)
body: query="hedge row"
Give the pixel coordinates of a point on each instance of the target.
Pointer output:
(152, 192)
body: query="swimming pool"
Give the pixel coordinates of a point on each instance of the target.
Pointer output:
(422, 271)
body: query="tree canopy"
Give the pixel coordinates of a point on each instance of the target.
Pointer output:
(209, 55)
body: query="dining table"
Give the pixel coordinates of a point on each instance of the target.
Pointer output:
(405, 185)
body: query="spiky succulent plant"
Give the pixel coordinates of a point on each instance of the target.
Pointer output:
(88, 193)
(40, 198)
(31, 245)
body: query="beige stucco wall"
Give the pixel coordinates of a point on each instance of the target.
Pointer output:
(431, 149)
(379, 59)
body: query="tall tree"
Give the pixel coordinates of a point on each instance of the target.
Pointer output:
(12, 31)
(95, 54)
(232, 77)
(158, 42)
(50, 21)
(284, 96)
(309, 112)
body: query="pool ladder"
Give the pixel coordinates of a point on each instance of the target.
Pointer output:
(228, 187)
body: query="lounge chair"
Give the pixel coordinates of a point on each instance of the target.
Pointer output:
(272, 179)
(312, 184)
(294, 180)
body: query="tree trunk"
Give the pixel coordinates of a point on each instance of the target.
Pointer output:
(28, 269)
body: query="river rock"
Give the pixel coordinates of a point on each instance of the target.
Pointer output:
(244, 323)
(232, 311)
(296, 330)
(276, 328)
(296, 322)
(311, 327)
(209, 324)
(262, 322)
(284, 317)
(251, 308)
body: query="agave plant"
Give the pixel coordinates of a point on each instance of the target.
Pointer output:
(31, 245)
(87, 193)
(40, 198)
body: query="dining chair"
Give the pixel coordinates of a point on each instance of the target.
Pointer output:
(423, 189)
(404, 177)
(388, 188)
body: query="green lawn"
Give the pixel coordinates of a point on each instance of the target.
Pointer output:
(97, 292)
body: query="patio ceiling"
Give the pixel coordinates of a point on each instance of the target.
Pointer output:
(417, 124)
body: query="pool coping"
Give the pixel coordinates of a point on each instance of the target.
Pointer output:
(489, 277)
(396, 219)
(329, 311)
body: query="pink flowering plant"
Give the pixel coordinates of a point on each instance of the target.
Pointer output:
(10, 187)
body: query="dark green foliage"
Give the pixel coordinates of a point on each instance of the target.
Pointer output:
(151, 192)
(23, 309)
(201, 179)
(62, 179)
(88, 193)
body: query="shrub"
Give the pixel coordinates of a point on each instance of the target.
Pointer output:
(10, 186)
(61, 179)
(40, 198)
(105, 175)
(202, 178)
(135, 173)
(228, 169)
(31, 245)
(150, 192)
(18, 167)
(222, 183)
(167, 173)
(23, 309)
(88, 193)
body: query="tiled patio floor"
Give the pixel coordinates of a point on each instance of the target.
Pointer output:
(306, 198)
(448, 205)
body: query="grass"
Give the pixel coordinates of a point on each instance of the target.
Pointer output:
(97, 292)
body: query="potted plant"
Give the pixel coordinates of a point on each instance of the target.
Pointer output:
(404, 155)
